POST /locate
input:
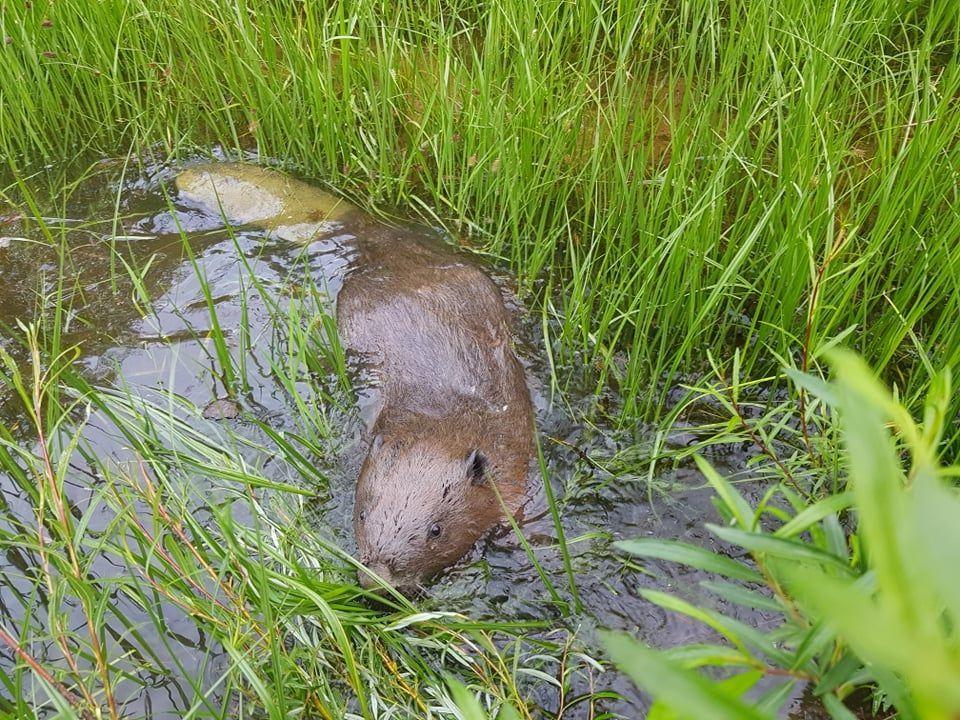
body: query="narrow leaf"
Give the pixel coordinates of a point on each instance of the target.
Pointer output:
(690, 555)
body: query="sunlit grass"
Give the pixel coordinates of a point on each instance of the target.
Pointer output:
(685, 176)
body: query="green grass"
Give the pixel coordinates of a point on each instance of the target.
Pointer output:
(292, 632)
(183, 531)
(666, 178)
(672, 182)
(863, 606)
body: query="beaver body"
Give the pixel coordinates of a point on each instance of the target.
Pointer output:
(452, 434)
(454, 427)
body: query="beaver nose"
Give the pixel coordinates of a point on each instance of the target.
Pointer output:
(369, 582)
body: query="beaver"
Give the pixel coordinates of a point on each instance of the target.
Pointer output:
(451, 435)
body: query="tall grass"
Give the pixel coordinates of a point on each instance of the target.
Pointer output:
(293, 633)
(671, 181)
(685, 176)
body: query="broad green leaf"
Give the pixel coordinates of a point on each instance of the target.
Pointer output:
(742, 596)
(874, 630)
(857, 381)
(740, 684)
(814, 514)
(836, 708)
(719, 622)
(843, 670)
(815, 640)
(738, 507)
(815, 386)
(936, 533)
(778, 547)
(468, 705)
(897, 693)
(661, 710)
(876, 478)
(740, 634)
(693, 697)
(694, 656)
(934, 416)
(836, 537)
(776, 697)
(508, 712)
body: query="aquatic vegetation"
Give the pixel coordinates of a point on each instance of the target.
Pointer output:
(665, 178)
(697, 202)
(167, 561)
(197, 538)
(858, 582)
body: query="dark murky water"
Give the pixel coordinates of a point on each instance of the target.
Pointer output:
(165, 345)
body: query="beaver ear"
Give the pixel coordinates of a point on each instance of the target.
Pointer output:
(376, 443)
(477, 468)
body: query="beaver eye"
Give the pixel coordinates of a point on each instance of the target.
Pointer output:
(363, 515)
(435, 530)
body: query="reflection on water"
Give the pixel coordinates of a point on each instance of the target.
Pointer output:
(137, 303)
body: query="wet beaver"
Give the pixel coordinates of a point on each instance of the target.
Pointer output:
(453, 428)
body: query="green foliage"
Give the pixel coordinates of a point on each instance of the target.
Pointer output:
(198, 537)
(670, 181)
(686, 176)
(877, 608)
(135, 523)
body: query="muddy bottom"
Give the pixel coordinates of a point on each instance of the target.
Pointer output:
(140, 310)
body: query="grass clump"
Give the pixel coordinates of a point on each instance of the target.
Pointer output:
(684, 176)
(187, 545)
(167, 565)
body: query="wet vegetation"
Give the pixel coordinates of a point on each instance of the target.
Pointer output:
(861, 606)
(696, 203)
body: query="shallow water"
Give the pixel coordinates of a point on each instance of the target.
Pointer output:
(165, 345)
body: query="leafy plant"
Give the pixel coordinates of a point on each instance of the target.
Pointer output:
(683, 175)
(877, 607)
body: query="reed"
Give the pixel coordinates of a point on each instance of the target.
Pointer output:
(670, 181)
(665, 178)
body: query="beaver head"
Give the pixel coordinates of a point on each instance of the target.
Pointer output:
(421, 504)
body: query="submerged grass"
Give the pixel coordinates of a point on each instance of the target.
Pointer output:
(685, 176)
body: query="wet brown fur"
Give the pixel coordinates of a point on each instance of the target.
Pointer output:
(435, 328)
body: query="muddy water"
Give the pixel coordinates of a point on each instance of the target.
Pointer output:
(165, 345)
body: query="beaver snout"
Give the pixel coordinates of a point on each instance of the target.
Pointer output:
(368, 577)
